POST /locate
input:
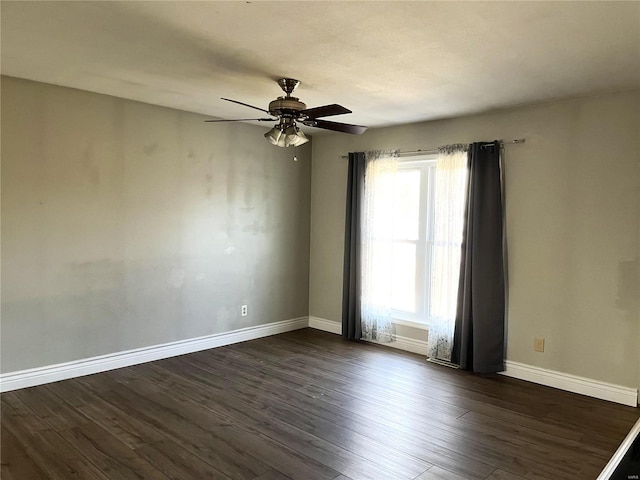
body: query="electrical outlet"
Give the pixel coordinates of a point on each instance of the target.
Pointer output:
(243, 310)
(538, 344)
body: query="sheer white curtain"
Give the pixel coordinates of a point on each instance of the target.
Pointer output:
(450, 199)
(377, 245)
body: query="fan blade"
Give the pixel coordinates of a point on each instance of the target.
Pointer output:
(246, 120)
(245, 104)
(337, 127)
(325, 111)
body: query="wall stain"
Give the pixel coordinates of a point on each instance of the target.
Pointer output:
(150, 149)
(255, 228)
(232, 182)
(249, 184)
(176, 278)
(209, 179)
(90, 171)
(628, 297)
(97, 275)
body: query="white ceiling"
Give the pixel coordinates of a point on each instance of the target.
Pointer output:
(390, 62)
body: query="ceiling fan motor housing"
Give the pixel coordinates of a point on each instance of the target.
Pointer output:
(287, 106)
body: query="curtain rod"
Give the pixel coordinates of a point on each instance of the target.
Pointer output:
(435, 150)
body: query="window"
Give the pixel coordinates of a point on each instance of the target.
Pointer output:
(413, 242)
(410, 243)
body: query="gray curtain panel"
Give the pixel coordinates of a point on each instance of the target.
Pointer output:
(478, 342)
(351, 313)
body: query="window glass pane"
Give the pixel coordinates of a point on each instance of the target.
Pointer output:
(378, 283)
(449, 211)
(445, 264)
(403, 294)
(407, 205)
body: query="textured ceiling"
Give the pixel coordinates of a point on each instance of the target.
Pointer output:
(390, 62)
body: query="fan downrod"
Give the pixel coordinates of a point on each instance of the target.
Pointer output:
(288, 85)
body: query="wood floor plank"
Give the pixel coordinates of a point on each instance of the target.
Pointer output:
(52, 410)
(274, 475)
(178, 463)
(437, 473)
(111, 456)
(304, 405)
(16, 462)
(502, 475)
(18, 412)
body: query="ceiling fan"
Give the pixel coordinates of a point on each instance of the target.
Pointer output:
(289, 111)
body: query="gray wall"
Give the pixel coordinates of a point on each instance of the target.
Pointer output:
(573, 220)
(126, 225)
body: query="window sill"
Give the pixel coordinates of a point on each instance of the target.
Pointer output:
(410, 323)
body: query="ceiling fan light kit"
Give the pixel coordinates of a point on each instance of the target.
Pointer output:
(286, 134)
(288, 110)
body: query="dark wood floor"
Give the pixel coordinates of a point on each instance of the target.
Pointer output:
(304, 405)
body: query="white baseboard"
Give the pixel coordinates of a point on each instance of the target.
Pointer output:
(405, 343)
(541, 376)
(62, 371)
(325, 325)
(401, 343)
(572, 383)
(411, 345)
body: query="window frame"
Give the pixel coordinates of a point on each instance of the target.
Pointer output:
(426, 163)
